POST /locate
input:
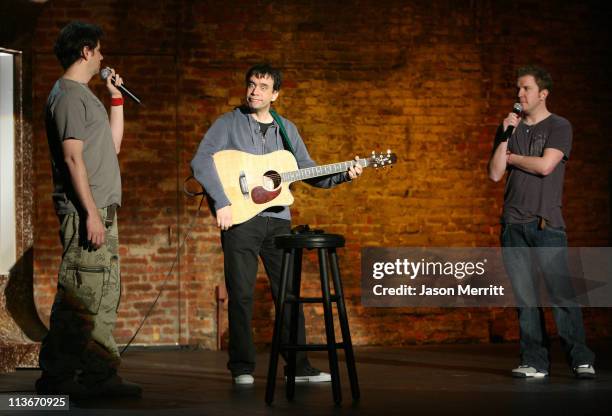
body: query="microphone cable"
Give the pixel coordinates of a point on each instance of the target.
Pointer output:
(178, 252)
(189, 230)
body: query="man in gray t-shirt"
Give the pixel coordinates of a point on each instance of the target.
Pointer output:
(73, 112)
(79, 356)
(530, 197)
(534, 155)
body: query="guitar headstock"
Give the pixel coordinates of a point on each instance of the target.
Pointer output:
(381, 159)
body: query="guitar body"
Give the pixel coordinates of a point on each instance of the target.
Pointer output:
(252, 182)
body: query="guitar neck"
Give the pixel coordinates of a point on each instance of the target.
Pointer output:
(322, 170)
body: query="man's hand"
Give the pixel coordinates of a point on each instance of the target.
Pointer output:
(224, 217)
(355, 170)
(112, 89)
(95, 230)
(511, 120)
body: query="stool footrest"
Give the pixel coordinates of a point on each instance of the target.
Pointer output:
(292, 299)
(311, 347)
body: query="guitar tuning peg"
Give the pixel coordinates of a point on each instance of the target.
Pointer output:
(388, 151)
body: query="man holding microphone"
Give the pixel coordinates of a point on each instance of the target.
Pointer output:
(79, 356)
(533, 145)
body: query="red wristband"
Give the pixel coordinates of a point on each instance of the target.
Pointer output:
(116, 101)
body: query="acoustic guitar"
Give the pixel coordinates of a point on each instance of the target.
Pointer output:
(254, 183)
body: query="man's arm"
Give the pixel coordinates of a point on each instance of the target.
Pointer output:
(116, 113)
(543, 165)
(116, 125)
(73, 156)
(499, 158)
(498, 162)
(205, 172)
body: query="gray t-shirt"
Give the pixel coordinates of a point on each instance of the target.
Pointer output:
(73, 111)
(528, 196)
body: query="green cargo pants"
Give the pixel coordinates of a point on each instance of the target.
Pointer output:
(80, 340)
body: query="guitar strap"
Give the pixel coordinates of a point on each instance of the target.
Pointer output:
(283, 132)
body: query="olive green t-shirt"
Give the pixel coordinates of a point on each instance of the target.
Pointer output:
(74, 112)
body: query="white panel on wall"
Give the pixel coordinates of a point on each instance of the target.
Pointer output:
(7, 165)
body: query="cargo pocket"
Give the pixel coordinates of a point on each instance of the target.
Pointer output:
(85, 287)
(59, 198)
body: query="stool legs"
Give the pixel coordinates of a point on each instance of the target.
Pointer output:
(278, 323)
(296, 275)
(329, 325)
(344, 326)
(291, 269)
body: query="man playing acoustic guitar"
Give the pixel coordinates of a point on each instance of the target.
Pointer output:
(254, 128)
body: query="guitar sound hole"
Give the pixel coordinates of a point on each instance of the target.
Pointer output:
(271, 180)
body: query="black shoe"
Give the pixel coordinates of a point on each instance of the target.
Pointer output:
(69, 387)
(584, 371)
(116, 387)
(309, 374)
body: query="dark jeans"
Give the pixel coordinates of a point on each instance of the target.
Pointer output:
(242, 244)
(522, 266)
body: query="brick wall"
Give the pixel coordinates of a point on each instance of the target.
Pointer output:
(429, 81)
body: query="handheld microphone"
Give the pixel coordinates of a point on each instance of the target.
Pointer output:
(517, 109)
(106, 72)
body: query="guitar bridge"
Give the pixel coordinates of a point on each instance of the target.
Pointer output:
(244, 186)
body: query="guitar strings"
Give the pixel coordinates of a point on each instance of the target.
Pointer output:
(277, 176)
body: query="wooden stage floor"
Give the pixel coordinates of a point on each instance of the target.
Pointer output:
(412, 380)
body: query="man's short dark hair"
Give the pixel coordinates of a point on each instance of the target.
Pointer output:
(261, 70)
(73, 38)
(541, 76)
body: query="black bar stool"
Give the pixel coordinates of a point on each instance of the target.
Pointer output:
(326, 245)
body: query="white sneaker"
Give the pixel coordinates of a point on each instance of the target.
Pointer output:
(322, 377)
(310, 374)
(527, 371)
(584, 371)
(244, 379)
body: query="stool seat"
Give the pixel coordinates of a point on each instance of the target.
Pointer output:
(309, 240)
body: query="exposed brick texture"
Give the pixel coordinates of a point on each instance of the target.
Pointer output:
(429, 80)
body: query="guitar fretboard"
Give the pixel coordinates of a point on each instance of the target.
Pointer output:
(322, 170)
